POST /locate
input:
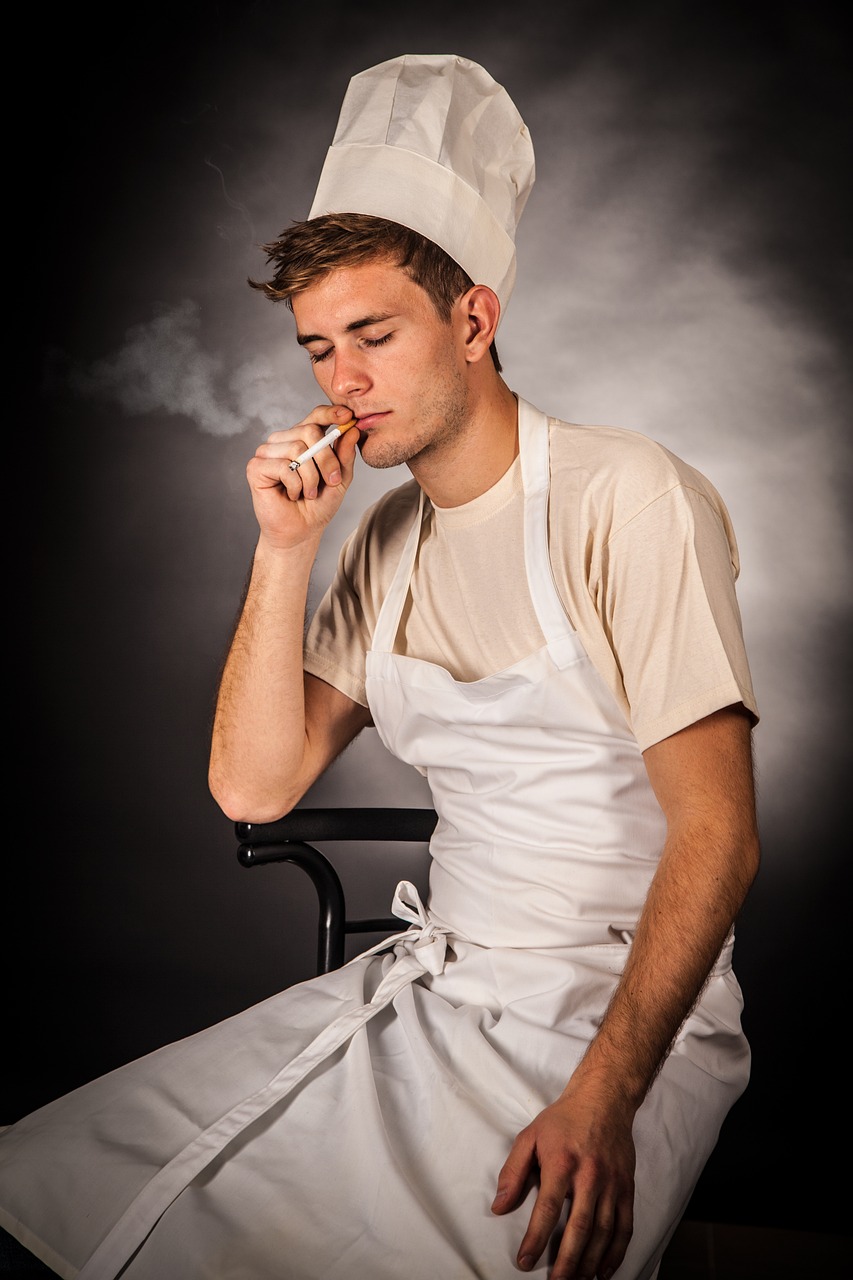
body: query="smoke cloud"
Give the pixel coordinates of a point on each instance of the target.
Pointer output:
(163, 368)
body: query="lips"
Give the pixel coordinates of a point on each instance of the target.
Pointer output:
(369, 420)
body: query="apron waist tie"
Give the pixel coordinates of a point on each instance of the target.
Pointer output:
(419, 949)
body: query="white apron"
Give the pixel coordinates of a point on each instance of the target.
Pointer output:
(353, 1127)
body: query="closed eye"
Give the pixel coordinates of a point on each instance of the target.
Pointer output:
(317, 357)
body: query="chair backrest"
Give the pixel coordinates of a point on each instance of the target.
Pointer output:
(292, 839)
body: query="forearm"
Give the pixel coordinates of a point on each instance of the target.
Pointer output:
(697, 892)
(269, 742)
(258, 747)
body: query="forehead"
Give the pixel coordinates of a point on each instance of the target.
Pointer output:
(347, 294)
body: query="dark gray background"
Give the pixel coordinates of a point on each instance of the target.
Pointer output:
(683, 271)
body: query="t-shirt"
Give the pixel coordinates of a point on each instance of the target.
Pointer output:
(644, 560)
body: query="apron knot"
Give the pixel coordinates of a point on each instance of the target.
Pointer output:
(425, 940)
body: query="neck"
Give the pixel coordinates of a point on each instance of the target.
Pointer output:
(477, 458)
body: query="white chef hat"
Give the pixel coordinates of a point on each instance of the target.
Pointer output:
(433, 142)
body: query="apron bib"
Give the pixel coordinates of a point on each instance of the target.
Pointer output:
(548, 831)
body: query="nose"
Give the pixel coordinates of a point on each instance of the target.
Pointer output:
(349, 376)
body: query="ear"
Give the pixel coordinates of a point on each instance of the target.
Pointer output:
(479, 312)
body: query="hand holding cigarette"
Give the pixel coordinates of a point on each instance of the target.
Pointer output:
(329, 438)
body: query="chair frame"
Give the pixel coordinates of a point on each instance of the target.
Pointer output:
(292, 839)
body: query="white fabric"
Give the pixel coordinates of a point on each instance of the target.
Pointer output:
(352, 1128)
(433, 142)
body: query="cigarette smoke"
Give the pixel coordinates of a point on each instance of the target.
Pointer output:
(163, 368)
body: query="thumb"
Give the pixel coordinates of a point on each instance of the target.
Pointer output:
(347, 446)
(513, 1177)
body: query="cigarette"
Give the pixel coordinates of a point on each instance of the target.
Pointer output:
(329, 438)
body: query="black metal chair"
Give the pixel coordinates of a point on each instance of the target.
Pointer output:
(293, 839)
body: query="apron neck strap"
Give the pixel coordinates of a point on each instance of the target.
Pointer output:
(534, 445)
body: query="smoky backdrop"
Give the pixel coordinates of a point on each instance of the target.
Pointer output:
(684, 271)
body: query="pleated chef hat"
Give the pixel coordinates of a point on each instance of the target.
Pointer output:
(433, 142)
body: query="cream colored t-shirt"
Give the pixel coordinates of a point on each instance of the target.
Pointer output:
(644, 559)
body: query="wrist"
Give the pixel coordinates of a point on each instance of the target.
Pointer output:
(619, 1085)
(285, 557)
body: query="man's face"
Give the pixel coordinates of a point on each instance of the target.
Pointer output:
(378, 346)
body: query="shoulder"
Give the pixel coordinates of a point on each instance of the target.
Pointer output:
(620, 473)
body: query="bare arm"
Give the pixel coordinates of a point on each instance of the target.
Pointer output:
(275, 729)
(583, 1142)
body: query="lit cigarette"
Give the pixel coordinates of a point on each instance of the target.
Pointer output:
(329, 438)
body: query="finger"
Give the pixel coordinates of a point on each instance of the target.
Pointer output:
(586, 1238)
(291, 443)
(347, 446)
(304, 482)
(315, 424)
(273, 463)
(544, 1219)
(266, 473)
(335, 463)
(330, 459)
(514, 1177)
(623, 1228)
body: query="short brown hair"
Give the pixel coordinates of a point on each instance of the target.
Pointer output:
(307, 251)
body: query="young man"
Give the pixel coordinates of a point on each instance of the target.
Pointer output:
(543, 621)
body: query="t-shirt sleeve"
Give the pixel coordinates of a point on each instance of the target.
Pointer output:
(668, 602)
(338, 635)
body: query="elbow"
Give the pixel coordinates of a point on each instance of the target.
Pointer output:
(251, 804)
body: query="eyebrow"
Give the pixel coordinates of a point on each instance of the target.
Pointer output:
(378, 318)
